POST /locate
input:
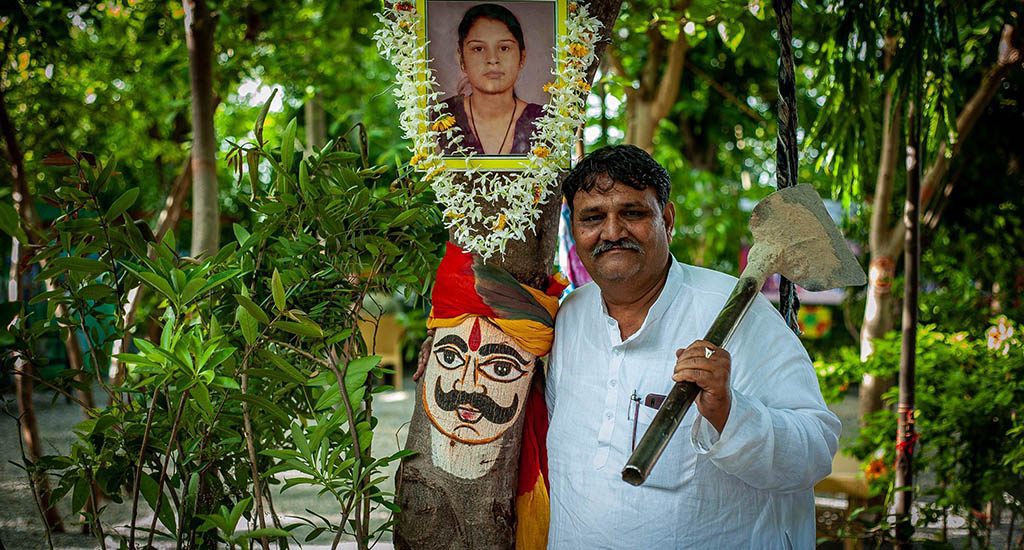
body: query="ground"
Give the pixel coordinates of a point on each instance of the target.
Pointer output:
(20, 527)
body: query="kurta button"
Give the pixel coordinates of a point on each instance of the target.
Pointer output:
(611, 383)
(608, 415)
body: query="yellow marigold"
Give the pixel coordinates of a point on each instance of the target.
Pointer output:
(454, 215)
(536, 194)
(502, 220)
(417, 158)
(573, 6)
(437, 170)
(583, 85)
(443, 123)
(403, 24)
(578, 50)
(541, 151)
(549, 86)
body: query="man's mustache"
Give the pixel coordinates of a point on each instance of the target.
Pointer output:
(624, 244)
(490, 410)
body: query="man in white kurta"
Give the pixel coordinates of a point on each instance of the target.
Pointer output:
(619, 345)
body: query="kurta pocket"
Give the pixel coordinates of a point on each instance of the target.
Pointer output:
(678, 461)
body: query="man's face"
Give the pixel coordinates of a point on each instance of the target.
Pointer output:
(621, 233)
(476, 381)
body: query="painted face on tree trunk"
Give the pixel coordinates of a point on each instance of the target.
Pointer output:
(476, 381)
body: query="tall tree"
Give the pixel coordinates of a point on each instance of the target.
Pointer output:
(200, 24)
(948, 50)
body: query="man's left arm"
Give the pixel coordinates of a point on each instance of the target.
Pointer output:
(775, 432)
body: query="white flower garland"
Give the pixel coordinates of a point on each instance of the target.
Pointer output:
(423, 122)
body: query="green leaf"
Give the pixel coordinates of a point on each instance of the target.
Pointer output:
(10, 222)
(202, 399)
(278, 290)
(288, 145)
(150, 491)
(80, 494)
(258, 127)
(124, 202)
(248, 323)
(404, 218)
(95, 291)
(253, 309)
(87, 266)
(265, 405)
(306, 328)
(292, 373)
(241, 233)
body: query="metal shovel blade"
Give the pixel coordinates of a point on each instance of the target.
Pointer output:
(794, 236)
(809, 250)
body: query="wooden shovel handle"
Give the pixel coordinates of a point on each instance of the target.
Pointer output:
(683, 394)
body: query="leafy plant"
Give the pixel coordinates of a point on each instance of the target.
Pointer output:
(258, 368)
(969, 391)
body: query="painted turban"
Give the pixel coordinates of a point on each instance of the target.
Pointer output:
(467, 288)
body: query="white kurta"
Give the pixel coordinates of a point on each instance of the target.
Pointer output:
(748, 487)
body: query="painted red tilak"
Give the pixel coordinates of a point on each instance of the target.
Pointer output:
(474, 336)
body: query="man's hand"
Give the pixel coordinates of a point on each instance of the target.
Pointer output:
(711, 374)
(421, 365)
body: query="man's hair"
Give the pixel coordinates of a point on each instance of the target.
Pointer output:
(627, 164)
(495, 12)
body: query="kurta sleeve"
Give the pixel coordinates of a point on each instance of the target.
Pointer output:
(779, 436)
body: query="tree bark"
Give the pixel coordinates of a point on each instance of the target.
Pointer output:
(316, 122)
(440, 510)
(886, 239)
(658, 89)
(199, 31)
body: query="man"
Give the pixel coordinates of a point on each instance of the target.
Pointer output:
(740, 469)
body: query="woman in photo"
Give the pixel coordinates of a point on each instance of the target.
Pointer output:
(492, 52)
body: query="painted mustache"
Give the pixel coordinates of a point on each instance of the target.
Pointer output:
(490, 410)
(624, 244)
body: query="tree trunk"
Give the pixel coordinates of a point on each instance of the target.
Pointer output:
(199, 30)
(886, 237)
(316, 122)
(658, 90)
(440, 510)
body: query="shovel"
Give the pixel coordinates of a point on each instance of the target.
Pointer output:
(793, 236)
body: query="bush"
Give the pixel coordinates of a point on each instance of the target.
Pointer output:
(969, 390)
(259, 367)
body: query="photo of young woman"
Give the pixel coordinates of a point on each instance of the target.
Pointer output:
(495, 83)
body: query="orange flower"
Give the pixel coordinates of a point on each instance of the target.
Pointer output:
(536, 195)
(549, 86)
(578, 50)
(583, 85)
(417, 158)
(541, 151)
(443, 123)
(876, 469)
(405, 6)
(502, 220)
(573, 6)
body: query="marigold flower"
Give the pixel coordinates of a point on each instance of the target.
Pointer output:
(573, 6)
(541, 151)
(417, 158)
(443, 123)
(578, 50)
(876, 469)
(454, 215)
(549, 86)
(502, 220)
(405, 6)
(537, 190)
(583, 85)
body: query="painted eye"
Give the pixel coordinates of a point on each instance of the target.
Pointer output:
(502, 370)
(449, 358)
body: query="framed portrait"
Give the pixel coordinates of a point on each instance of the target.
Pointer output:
(491, 61)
